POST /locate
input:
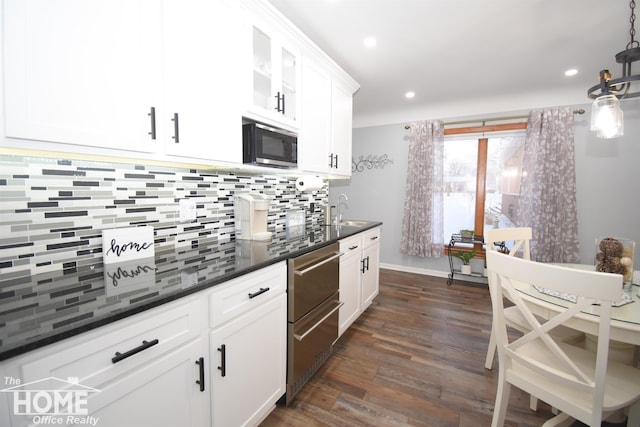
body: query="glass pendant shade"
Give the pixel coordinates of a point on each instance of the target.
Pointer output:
(607, 117)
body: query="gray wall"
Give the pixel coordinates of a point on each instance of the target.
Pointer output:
(607, 172)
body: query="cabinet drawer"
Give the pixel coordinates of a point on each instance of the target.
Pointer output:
(370, 237)
(92, 357)
(351, 245)
(240, 295)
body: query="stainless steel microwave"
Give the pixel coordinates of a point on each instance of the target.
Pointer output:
(269, 146)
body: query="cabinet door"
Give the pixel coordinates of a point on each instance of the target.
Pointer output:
(81, 72)
(350, 293)
(371, 274)
(275, 78)
(315, 135)
(341, 129)
(248, 366)
(163, 393)
(202, 116)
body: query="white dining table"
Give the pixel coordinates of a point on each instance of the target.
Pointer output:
(625, 320)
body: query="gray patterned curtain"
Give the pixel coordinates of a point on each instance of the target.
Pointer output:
(548, 189)
(422, 224)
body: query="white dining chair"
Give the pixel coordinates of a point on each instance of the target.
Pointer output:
(521, 238)
(521, 247)
(579, 382)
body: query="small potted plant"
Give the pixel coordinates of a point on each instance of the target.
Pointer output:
(465, 256)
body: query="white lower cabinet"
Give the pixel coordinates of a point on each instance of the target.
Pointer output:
(249, 365)
(248, 347)
(162, 367)
(138, 371)
(359, 275)
(370, 266)
(350, 290)
(163, 393)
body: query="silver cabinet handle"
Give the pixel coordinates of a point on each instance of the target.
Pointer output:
(301, 337)
(306, 270)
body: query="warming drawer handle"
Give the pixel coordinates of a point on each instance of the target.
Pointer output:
(261, 291)
(145, 345)
(306, 270)
(318, 323)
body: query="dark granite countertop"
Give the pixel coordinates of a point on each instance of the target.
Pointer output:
(49, 307)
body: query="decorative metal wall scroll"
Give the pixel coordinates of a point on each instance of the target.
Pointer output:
(370, 161)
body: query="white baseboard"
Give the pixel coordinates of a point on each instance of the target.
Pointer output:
(416, 270)
(429, 272)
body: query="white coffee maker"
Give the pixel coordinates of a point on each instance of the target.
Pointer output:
(251, 210)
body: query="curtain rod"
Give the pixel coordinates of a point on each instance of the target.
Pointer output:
(494, 119)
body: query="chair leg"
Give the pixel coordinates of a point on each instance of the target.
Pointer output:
(533, 403)
(491, 352)
(502, 402)
(634, 415)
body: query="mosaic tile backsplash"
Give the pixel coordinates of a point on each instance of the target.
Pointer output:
(53, 211)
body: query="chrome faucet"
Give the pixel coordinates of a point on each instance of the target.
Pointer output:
(338, 210)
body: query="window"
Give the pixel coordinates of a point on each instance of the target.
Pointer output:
(481, 182)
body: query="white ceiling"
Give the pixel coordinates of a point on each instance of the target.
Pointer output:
(464, 57)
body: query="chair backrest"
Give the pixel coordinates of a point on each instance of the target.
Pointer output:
(521, 237)
(547, 368)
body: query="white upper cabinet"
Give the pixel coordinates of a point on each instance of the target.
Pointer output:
(132, 76)
(325, 137)
(275, 78)
(81, 72)
(315, 133)
(341, 129)
(168, 80)
(202, 117)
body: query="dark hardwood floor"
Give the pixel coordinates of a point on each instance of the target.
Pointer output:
(414, 358)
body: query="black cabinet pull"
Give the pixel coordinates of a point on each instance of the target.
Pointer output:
(176, 128)
(367, 258)
(255, 294)
(336, 162)
(374, 237)
(145, 345)
(353, 247)
(283, 108)
(277, 97)
(223, 360)
(362, 266)
(331, 160)
(200, 363)
(152, 114)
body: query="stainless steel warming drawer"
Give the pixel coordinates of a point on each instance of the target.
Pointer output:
(313, 306)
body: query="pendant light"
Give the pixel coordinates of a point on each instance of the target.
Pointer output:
(606, 114)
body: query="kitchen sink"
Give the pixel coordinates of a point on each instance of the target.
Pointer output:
(353, 223)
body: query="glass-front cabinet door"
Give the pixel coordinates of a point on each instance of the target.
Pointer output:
(288, 85)
(275, 79)
(262, 70)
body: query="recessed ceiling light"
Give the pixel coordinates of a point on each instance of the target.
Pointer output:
(571, 72)
(369, 41)
(409, 95)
